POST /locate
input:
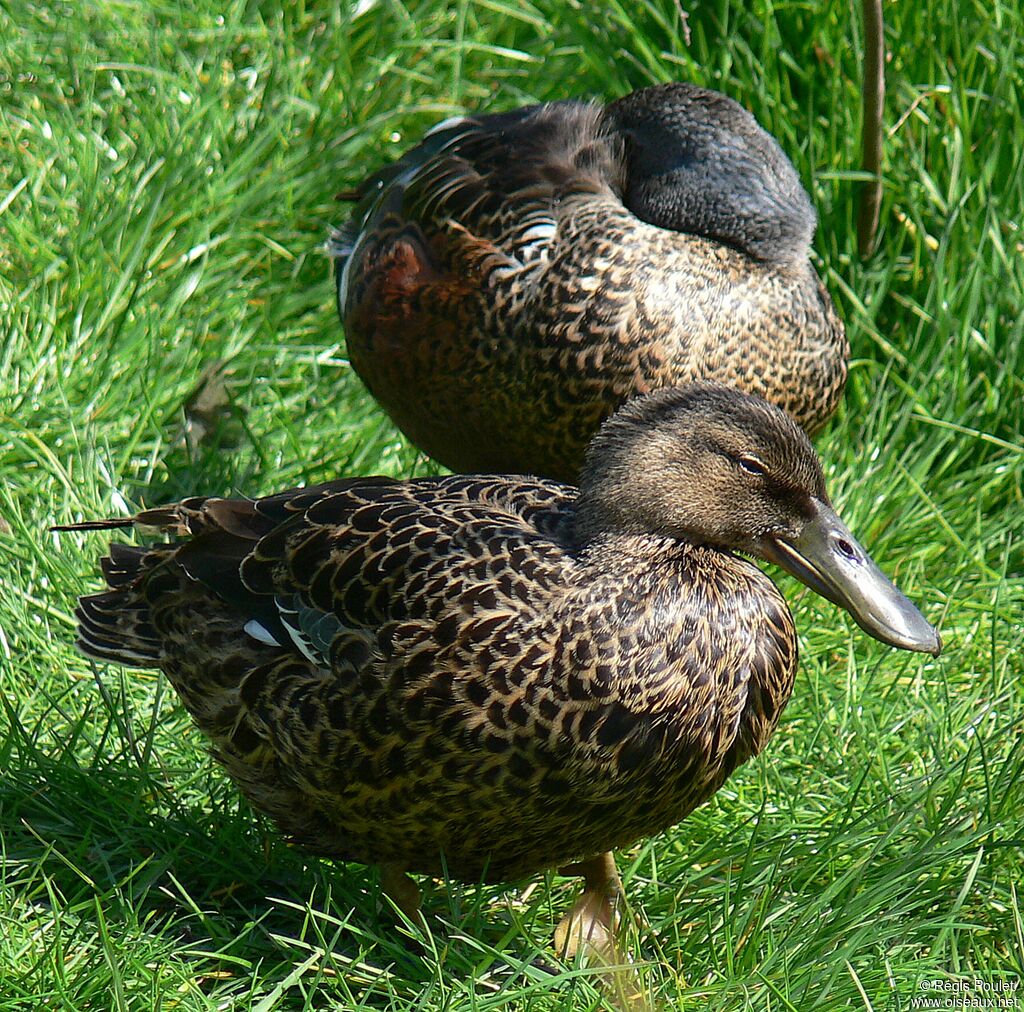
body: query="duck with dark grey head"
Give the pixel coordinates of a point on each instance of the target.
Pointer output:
(514, 278)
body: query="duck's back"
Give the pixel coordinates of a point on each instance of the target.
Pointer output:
(500, 299)
(393, 670)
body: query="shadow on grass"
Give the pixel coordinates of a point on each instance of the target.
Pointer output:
(117, 830)
(97, 823)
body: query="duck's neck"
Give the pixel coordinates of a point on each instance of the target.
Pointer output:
(696, 162)
(617, 501)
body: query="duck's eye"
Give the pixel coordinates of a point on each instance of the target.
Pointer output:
(753, 466)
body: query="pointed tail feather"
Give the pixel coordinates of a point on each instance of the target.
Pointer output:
(109, 524)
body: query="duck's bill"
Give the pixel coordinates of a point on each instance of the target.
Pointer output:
(827, 557)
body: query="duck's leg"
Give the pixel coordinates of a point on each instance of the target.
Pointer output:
(404, 892)
(592, 925)
(592, 922)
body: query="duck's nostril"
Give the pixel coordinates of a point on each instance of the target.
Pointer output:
(846, 548)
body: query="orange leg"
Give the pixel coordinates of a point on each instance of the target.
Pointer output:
(592, 921)
(592, 926)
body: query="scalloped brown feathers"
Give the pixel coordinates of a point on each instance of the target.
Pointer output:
(396, 670)
(514, 278)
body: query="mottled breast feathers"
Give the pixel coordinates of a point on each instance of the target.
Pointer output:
(396, 670)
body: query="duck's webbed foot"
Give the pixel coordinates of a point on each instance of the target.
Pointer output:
(592, 922)
(594, 927)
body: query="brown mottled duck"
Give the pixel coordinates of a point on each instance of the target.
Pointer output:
(514, 278)
(499, 675)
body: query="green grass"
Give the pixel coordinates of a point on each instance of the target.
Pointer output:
(166, 182)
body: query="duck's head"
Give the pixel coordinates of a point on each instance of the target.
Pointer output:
(698, 162)
(710, 465)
